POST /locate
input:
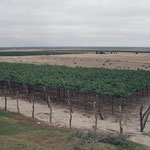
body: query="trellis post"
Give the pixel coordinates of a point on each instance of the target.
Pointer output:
(95, 115)
(5, 103)
(33, 108)
(120, 120)
(17, 99)
(70, 109)
(99, 107)
(50, 110)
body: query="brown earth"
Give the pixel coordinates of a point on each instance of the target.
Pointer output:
(119, 60)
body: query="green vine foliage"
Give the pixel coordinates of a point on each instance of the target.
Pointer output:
(110, 82)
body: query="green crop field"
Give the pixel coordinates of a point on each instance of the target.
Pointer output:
(110, 82)
(32, 53)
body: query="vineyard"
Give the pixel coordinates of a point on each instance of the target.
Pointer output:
(113, 83)
(103, 91)
(35, 53)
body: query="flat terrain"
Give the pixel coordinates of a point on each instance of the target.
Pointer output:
(18, 132)
(119, 60)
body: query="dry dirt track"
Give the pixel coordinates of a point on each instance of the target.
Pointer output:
(120, 60)
(84, 120)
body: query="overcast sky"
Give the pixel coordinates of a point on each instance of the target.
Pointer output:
(74, 23)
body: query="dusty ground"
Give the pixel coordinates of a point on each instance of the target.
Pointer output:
(84, 120)
(120, 60)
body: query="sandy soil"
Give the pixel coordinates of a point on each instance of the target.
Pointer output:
(84, 120)
(120, 60)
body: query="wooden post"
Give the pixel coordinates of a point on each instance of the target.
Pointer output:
(141, 120)
(147, 92)
(145, 117)
(64, 93)
(143, 93)
(71, 93)
(27, 92)
(17, 103)
(2, 86)
(45, 93)
(33, 109)
(85, 101)
(70, 109)
(99, 109)
(46, 96)
(95, 114)
(146, 112)
(131, 101)
(137, 95)
(78, 94)
(122, 104)
(112, 105)
(13, 88)
(58, 94)
(5, 103)
(120, 119)
(50, 110)
(10, 88)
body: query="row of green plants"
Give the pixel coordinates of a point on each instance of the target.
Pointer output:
(110, 82)
(31, 53)
(58, 52)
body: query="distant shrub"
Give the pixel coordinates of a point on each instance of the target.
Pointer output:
(100, 52)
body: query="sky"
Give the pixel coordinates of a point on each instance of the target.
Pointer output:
(74, 23)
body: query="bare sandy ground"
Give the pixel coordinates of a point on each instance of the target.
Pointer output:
(120, 60)
(84, 120)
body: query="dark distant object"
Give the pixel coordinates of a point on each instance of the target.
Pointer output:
(100, 52)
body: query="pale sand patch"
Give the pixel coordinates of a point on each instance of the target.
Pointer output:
(119, 60)
(81, 119)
